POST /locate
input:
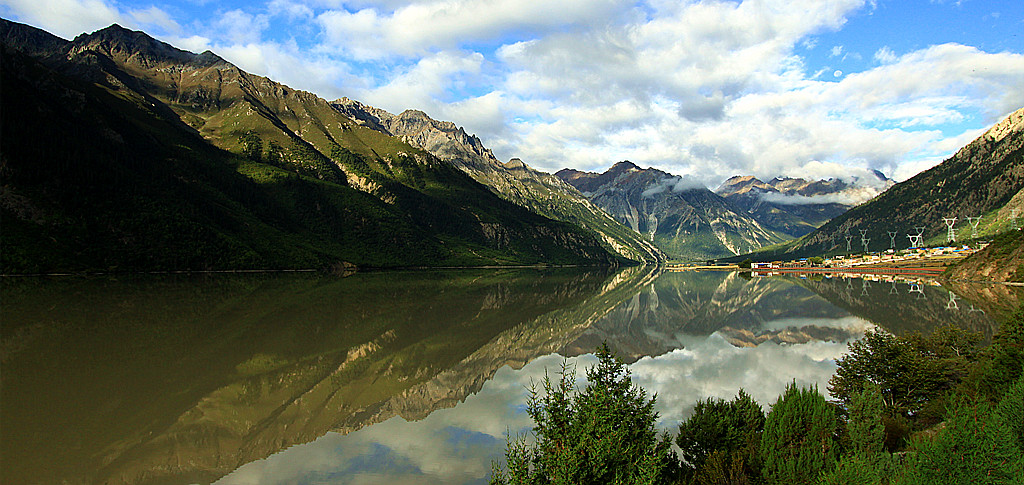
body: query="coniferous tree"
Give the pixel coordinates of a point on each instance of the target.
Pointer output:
(799, 440)
(866, 462)
(729, 432)
(603, 434)
(865, 425)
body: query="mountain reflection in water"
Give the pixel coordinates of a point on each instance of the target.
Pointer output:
(386, 377)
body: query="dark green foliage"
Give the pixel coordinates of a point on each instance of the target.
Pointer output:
(603, 434)
(350, 160)
(722, 439)
(975, 446)
(862, 469)
(910, 371)
(746, 263)
(800, 437)
(865, 425)
(275, 154)
(1003, 360)
(252, 145)
(1011, 408)
(306, 160)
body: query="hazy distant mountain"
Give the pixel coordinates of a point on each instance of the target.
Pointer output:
(686, 220)
(514, 180)
(983, 179)
(123, 152)
(794, 206)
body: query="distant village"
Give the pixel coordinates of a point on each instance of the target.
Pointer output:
(926, 260)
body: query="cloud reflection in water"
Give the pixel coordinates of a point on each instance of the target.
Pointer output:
(457, 445)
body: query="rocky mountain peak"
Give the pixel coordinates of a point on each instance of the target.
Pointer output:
(516, 164)
(741, 184)
(136, 47)
(623, 166)
(369, 116)
(30, 40)
(1013, 122)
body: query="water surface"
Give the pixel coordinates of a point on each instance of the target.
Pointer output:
(393, 377)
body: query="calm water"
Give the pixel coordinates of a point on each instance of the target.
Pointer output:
(403, 377)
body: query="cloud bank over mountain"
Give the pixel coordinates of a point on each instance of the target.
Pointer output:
(701, 89)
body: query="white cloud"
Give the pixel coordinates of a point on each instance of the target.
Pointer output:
(420, 86)
(674, 185)
(419, 28)
(65, 18)
(285, 63)
(69, 18)
(712, 368)
(846, 198)
(885, 55)
(153, 16)
(291, 10)
(239, 27)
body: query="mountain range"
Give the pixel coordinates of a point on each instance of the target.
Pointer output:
(795, 206)
(514, 180)
(978, 191)
(121, 152)
(686, 220)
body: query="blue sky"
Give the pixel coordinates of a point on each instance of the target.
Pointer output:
(811, 88)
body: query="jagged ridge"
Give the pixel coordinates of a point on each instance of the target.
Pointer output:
(686, 221)
(514, 180)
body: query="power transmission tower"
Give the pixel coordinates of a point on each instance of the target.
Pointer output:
(1013, 217)
(951, 234)
(915, 239)
(865, 241)
(892, 239)
(920, 236)
(974, 225)
(951, 304)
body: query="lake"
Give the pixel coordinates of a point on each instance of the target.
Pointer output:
(395, 377)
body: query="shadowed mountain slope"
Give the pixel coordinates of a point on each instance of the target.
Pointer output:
(171, 160)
